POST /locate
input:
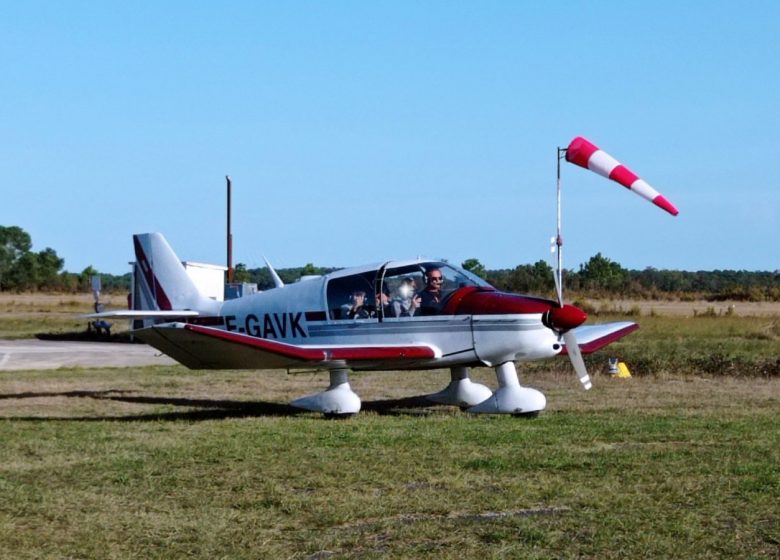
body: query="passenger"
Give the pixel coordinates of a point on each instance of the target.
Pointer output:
(432, 296)
(382, 301)
(405, 302)
(356, 309)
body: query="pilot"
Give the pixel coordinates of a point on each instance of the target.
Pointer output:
(432, 296)
(356, 308)
(405, 302)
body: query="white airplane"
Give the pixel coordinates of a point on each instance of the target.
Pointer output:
(410, 315)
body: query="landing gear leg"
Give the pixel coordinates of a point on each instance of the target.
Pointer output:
(461, 391)
(511, 397)
(337, 400)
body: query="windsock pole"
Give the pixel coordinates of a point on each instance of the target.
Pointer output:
(558, 237)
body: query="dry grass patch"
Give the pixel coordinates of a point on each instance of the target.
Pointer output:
(25, 315)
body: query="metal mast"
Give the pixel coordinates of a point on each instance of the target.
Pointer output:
(229, 233)
(558, 237)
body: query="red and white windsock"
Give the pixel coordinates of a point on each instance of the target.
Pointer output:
(585, 154)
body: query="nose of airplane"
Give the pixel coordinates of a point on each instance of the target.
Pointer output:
(562, 319)
(477, 301)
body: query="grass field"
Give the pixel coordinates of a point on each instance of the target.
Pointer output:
(681, 461)
(25, 315)
(165, 462)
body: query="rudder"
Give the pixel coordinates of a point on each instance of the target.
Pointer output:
(165, 280)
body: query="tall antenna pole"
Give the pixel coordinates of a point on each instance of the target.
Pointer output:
(558, 237)
(229, 233)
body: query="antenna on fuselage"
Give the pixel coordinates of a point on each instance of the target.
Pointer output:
(277, 281)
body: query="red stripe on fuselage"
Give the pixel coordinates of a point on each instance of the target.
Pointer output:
(287, 350)
(319, 354)
(381, 353)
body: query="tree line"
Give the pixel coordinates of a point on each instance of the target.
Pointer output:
(602, 277)
(599, 277)
(22, 269)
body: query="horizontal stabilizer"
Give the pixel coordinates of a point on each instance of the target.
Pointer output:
(591, 338)
(200, 347)
(141, 314)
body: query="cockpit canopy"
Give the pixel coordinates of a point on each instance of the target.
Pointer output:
(396, 289)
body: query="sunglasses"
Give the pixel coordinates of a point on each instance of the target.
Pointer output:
(436, 278)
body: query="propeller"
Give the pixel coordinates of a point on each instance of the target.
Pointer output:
(575, 356)
(563, 319)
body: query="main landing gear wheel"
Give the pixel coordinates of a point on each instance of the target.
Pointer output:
(511, 397)
(461, 391)
(337, 401)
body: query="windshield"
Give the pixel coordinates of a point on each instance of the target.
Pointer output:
(421, 289)
(397, 291)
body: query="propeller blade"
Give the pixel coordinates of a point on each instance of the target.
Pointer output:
(573, 349)
(586, 154)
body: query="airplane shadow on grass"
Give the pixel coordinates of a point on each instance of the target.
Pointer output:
(207, 409)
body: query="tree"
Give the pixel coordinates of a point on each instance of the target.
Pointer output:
(49, 266)
(525, 278)
(25, 273)
(85, 278)
(14, 243)
(241, 274)
(601, 273)
(474, 266)
(309, 270)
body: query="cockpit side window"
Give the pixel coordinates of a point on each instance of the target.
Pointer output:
(399, 291)
(352, 297)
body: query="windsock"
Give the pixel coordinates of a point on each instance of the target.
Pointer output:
(585, 154)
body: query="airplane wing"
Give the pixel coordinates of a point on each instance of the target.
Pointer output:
(199, 347)
(140, 314)
(594, 337)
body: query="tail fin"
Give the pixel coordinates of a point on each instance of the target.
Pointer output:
(163, 278)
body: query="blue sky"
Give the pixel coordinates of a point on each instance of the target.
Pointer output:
(363, 131)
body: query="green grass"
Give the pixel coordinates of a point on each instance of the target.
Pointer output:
(682, 461)
(165, 462)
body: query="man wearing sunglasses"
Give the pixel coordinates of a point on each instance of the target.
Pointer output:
(431, 297)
